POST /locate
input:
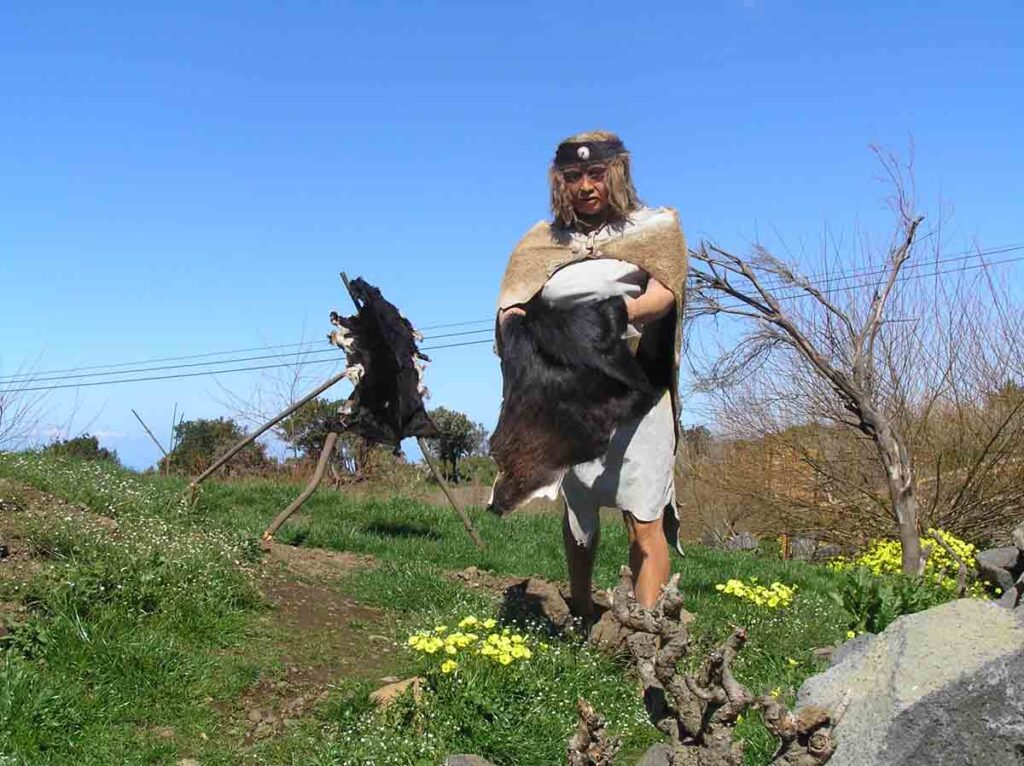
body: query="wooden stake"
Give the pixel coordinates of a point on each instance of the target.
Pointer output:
(325, 458)
(194, 486)
(466, 522)
(158, 444)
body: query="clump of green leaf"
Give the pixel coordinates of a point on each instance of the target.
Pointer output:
(873, 601)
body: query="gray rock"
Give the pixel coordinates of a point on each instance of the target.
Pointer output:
(744, 541)
(1008, 600)
(1001, 566)
(1018, 536)
(465, 760)
(944, 686)
(1002, 558)
(828, 551)
(657, 755)
(852, 649)
(803, 548)
(809, 549)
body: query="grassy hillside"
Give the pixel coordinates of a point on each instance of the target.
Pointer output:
(159, 624)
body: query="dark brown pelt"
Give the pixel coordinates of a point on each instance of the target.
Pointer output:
(569, 381)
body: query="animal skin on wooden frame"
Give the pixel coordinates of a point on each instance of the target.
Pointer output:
(386, 368)
(569, 381)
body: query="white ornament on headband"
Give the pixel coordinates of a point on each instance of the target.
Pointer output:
(583, 153)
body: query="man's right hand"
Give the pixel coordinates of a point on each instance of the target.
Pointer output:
(510, 312)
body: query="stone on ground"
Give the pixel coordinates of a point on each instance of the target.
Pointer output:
(1004, 568)
(944, 686)
(744, 541)
(387, 694)
(657, 755)
(465, 760)
(536, 598)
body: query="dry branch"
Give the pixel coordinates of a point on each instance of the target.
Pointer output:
(961, 577)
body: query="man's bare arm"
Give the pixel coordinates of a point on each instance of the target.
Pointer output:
(656, 301)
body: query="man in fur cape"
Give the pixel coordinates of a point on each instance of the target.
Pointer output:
(603, 242)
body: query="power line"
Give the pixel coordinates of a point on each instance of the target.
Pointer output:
(119, 368)
(215, 372)
(55, 374)
(901, 279)
(829, 279)
(236, 360)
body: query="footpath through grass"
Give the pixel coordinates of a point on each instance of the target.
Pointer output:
(147, 632)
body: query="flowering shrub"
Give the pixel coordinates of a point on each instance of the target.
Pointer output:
(774, 596)
(884, 557)
(502, 647)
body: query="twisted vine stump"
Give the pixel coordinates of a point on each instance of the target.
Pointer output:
(699, 712)
(591, 745)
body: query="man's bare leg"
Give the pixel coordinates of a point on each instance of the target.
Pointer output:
(580, 559)
(648, 558)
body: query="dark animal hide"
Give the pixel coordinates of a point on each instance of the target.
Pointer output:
(569, 381)
(386, 405)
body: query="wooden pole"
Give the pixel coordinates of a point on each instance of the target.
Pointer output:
(142, 423)
(466, 522)
(194, 486)
(325, 458)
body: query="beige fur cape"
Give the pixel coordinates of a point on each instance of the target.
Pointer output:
(656, 244)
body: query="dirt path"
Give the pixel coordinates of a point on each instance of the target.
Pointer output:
(321, 637)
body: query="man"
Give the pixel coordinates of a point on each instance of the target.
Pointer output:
(604, 242)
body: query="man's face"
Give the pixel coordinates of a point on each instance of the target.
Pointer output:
(586, 185)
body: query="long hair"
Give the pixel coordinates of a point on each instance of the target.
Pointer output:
(622, 196)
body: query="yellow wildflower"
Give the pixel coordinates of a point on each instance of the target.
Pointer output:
(448, 666)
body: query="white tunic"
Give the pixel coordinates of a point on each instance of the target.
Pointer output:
(636, 474)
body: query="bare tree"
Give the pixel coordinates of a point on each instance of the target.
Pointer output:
(272, 391)
(21, 408)
(889, 397)
(831, 344)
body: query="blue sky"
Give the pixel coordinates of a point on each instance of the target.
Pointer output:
(187, 177)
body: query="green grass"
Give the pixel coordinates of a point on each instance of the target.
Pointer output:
(122, 637)
(155, 655)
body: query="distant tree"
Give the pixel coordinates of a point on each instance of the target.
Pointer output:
(306, 429)
(84, 447)
(199, 442)
(460, 437)
(697, 440)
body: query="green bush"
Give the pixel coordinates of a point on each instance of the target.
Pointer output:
(199, 442)
(873, 601)
(83, 447)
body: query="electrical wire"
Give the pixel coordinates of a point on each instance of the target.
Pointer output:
(216, 372)
(119, 368)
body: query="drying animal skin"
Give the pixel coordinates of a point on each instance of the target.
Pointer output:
(569, 381)
(386, 369)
